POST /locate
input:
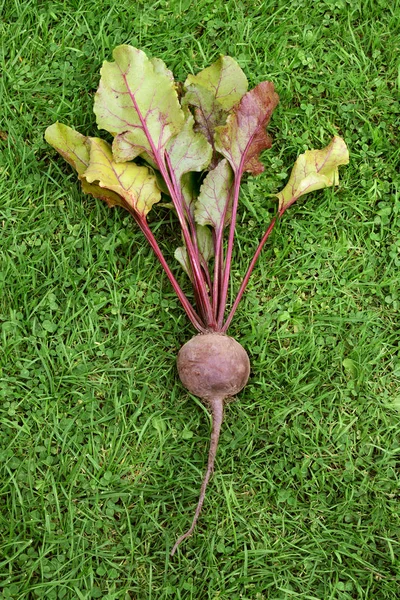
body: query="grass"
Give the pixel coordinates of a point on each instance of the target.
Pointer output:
(101, 449)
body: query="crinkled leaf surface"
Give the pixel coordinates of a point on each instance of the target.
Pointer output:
(208, 114)
(125, 150)
(75, 149)
(212, 93)
(138, 103)
(213, 206)
(224, 79)
(188, 151)
(314, 170)
(136, 186)
(243, 136)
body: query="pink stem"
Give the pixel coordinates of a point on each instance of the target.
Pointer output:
(158, 155)
(203, 263)
(219, 256)
(207, 277)
(249, 271)
(228, 260)
(198, 279)
(217, 268)
(194, 318)
(221, 268)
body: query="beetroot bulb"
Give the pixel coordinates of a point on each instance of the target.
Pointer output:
(214, 367)
(193, 143)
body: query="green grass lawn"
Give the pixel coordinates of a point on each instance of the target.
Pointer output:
(101, 448)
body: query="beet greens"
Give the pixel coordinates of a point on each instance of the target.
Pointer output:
(192, 143)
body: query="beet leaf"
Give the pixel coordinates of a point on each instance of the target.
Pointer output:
(138, 104)
(188, 151)
(212, 93)
(314, 170)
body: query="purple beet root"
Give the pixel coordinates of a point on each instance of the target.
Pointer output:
(214, 367)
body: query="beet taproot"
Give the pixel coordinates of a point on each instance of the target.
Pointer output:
(214, 367)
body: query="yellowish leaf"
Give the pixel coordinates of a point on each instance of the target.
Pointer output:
(314, 170)
(72, 145)
(136, 187)
(75, 149)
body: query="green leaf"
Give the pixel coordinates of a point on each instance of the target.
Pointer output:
(188, 151)
(136, 187)
(314, 170)
(187, 435)
(49, 326)
(124, 150)
(224, 79)
(75, 148)
(208, 114)
(212, 93)
(243, 136)
(213, 206)
(138, 104)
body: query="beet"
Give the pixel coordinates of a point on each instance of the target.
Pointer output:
(200, 143)
(214, 367)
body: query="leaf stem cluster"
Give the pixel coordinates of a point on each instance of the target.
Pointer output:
(200, 145)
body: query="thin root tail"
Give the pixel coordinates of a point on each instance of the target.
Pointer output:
(181, 539)
(217, 410)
